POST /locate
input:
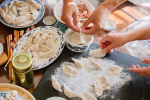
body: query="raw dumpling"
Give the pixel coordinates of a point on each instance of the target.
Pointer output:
(24, 9)
(19, 20)
(55, 84)
(42, 40)
(25, 44)
(79, 38)
(9, 19)
(114, 70)
(98, 88)
(6, 9)
(97, 53)
(25, 23)
(70, 71)
(24, 13)
(50, 43)
(87, 96)
(36, 39)
(44, 48)
(34, 48)
(104, 81)
(69, 93)
(11, 95)
(14, 11)
(2, 13)
(96, 63)
(47, 54)
(35, 15)
(11, 14)
(78, 63)
(35, 4)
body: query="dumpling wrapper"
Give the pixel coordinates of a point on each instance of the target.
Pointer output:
(79, 38)
(55, 84)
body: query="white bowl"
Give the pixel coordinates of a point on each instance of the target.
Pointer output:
(1, 48)
(49, 20)
(55, 98)
(110, 25)
(74, 47)
(59, 5)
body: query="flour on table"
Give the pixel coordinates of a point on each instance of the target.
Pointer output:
(85, 80)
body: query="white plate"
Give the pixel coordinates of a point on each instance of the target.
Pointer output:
(41, 14)
(3, 94)
(59, 45)
(56, 98)
(1, 48)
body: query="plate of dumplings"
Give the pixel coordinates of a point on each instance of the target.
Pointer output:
(44, 44)
(21, 13)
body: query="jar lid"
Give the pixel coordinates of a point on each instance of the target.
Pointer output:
(22, 62)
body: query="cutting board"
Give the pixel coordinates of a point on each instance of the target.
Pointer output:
(136, 89)
(3, 58)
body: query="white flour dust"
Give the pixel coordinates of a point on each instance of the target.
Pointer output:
(84, 81)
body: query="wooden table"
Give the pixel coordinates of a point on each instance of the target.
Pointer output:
(124, 15)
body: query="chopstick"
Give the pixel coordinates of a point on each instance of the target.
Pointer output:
(32, 27)
(21, 33)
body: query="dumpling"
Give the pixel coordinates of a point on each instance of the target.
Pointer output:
(96, 63)
(23, 13)
(69, 93)
(2, 13)
(26, 23)
(50, 43)
(14, 11)
(26, 43)
(78, 63)
(6, 9)
(98, 88)
(35, 48)
(36, 39)
(47, 54)
(19, 20)
(44, 48)
(12, 3)
(55, 84)
(35, 15)
(87, 96)
(42, 40)
(12, 95)
(114, 70)
(11, 14)
(35, 4)
(9, 19)
(70, 71)
(104, 81)
(24, 9)
(97, 53)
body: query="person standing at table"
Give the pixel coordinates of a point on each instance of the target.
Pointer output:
(110, 41)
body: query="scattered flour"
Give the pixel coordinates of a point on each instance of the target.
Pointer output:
(87, 75)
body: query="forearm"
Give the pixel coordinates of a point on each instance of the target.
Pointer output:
(142, 33)
(67, 1)
(111, 4)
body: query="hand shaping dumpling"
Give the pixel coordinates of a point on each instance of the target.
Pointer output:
(98, 88)
(97, 53)
(96, 63)
(69, 93)
(114, 70)
(104, 81)
(70, 71)
(78, 63)
(87, 96)
(55, 84)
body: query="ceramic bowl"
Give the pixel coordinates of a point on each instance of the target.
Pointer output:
(55, 98)
(49, 20)
(58, 7)
(1, 48)
(74, 47)
(110, 25)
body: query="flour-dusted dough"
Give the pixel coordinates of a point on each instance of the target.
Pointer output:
(55, 84)
(87, 96)
(96, 63)
(78, 63)
(114, 70)
(104, 81)
(69, 93)
(69, 70)
(97, 53)
(78, 38)
(98, 88)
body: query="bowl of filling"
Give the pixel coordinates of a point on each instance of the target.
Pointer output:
(85, 9)
(77, 41)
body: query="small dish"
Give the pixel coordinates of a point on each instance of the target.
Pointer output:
(1, 48)
(55, 98)
(74, 47)
(110, 25)
(49, 20)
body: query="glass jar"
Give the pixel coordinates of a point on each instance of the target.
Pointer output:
(23, 70)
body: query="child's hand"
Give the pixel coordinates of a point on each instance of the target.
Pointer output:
(145, 71)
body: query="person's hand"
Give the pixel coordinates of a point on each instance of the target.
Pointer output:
(144, 71)
(113, 40)
(98, 19)
(70, 14)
